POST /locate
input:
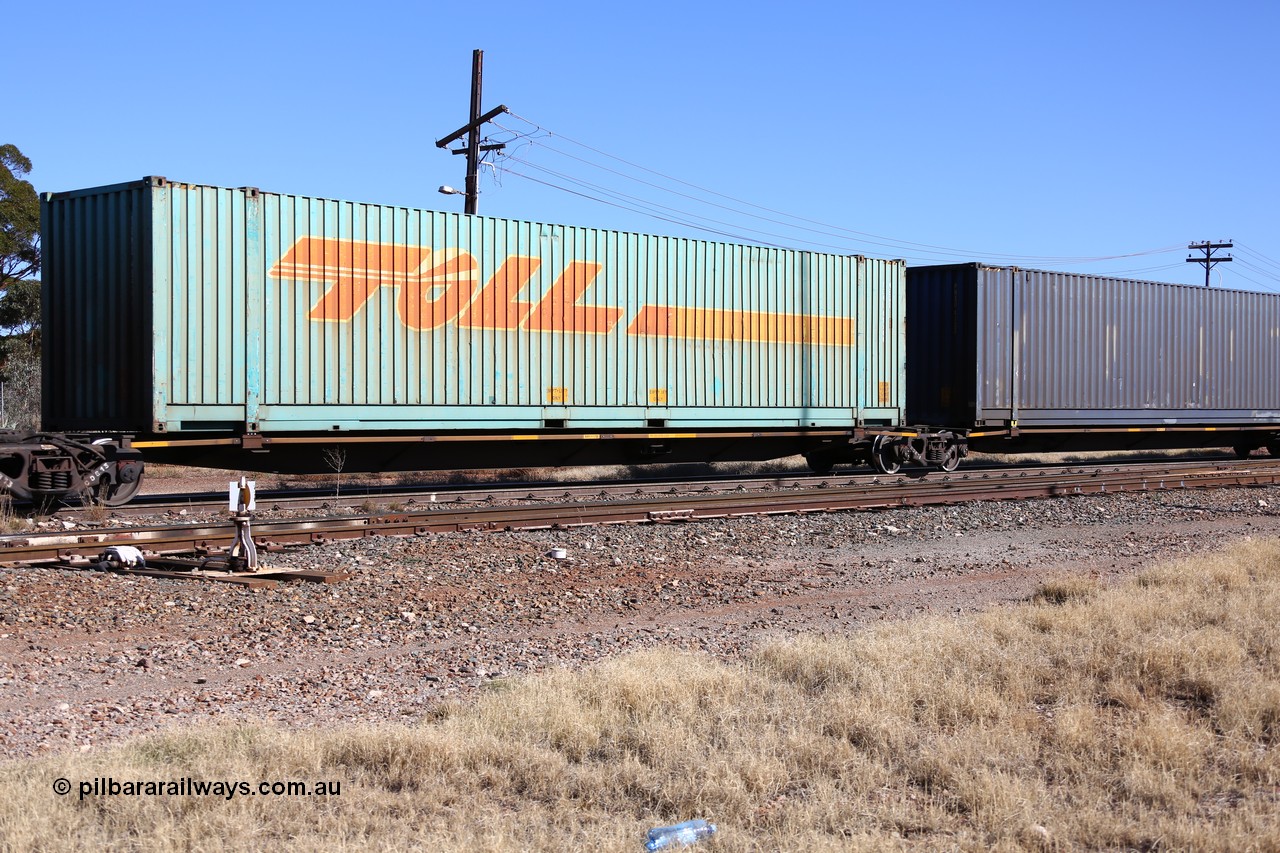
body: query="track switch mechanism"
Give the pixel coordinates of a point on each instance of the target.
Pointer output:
(243, 555)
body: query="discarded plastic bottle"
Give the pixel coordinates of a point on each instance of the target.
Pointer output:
(681, 834)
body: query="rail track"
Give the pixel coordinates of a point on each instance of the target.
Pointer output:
(177, 549)
(371, 498)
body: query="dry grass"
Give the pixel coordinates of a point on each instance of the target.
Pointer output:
(1098, 456)
(1141, 717)
(182, 472)
(10, 520)
(95, 510)
(582, 473)
(570, 474)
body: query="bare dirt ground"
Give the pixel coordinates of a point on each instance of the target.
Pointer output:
(89, 658)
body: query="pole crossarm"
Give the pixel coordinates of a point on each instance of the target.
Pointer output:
(1209, 260)
(496, 146)
(475, 125)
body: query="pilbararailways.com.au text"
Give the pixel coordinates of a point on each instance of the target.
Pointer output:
(107, 786)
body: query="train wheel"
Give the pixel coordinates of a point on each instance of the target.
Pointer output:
(951, 459)
(118, 494)
(883, 457)
(1242, 451)
(1274, 448)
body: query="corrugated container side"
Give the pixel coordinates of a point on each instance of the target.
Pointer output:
(96, 309)
(207, 290)
(1106, 349)
(1053, 348)
(523, 323)
(882, 339)
(288, 313)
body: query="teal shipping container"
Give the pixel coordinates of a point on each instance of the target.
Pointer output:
(184, 312)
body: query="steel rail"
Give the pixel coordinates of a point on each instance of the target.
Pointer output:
(880, 494)
(446, 494)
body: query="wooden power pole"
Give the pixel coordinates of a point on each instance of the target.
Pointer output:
(473, 147)
(1209, 260)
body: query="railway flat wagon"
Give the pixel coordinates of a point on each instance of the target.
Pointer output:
(1035, 360)
(245, 329)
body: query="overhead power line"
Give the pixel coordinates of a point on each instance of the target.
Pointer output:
(924, 250)
(822, 236)
(671, 210)
(1270, 280)
(1131, 270)
(1261, 258)
(727, 234)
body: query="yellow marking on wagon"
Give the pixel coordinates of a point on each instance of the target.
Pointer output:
(188, 442)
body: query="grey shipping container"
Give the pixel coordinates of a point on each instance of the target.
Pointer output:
(1004, 351)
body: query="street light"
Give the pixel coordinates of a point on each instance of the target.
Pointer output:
(447, 190)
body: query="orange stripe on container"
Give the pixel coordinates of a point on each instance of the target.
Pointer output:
(718, 325)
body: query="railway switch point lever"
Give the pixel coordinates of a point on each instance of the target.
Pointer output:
(121, 557)
(243, 554)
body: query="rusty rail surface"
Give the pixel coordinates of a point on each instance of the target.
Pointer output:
(878, 493)
(412, 498)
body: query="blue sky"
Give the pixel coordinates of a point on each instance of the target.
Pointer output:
(1029, 133)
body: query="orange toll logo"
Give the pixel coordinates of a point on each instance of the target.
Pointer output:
(435, 287)
(439, 286)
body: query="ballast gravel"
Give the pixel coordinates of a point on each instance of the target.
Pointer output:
(88, 658)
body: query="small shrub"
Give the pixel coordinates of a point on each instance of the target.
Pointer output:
(336, 458)
(1064, 589)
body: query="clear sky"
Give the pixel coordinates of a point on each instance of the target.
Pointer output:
(1040, 134)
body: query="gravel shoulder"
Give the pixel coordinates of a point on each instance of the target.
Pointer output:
(87, 658)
